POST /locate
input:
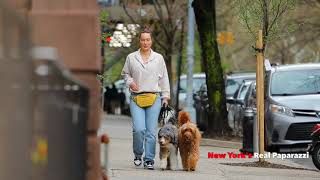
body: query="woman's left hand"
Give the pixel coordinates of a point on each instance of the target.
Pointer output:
(165, 101)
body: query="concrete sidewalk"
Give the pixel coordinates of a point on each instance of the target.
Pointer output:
(121, 165)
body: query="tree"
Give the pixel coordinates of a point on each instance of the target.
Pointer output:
(205, 15)
(165, 19)
(265, 15)
(302, 44)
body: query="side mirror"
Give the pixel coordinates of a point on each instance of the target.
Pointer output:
(239, 101)
(254, 93)
(230, 100)
(181, 90)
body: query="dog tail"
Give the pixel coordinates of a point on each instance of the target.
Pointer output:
(183, 118)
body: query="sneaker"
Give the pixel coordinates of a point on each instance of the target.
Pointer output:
(148, 165)
(137, 161)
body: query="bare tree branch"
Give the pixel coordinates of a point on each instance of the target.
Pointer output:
(279, 12)
(160, 44)
(158, 9)
(169, 14)
(128, 14)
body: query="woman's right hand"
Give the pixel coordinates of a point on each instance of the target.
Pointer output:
(134, 86)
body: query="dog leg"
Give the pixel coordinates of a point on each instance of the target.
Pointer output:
(193, 163)
(163, 163)
(163, 158)
(174, 161)
(173, 157)
(194, 157)
(184, 159)
(168, 163)
(188, 162)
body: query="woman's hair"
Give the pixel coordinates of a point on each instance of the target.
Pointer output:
(145, 29)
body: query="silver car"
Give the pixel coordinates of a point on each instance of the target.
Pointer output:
(234, 80)
(292, 106)
(235, 107)
(198, 80)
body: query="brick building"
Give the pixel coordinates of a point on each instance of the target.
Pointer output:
(72, 27)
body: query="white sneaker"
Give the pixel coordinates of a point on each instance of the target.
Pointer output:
(137, 161)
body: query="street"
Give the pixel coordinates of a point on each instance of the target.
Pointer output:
(121, 160)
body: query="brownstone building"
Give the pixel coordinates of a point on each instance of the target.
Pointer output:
(72, 27)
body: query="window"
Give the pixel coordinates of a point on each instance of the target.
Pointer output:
(295, 82)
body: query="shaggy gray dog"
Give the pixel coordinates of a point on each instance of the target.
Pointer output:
(168, 141)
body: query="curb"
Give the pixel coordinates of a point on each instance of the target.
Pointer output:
(219, 143)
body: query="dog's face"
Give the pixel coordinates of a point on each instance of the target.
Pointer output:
(164, 140)
(188, 133)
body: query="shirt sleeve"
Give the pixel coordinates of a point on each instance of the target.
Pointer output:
(125, 73)
(164, 81)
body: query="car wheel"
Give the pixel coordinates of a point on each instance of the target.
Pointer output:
(316, 156)
(268, 144)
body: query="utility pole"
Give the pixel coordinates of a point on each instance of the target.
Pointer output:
(190, 59)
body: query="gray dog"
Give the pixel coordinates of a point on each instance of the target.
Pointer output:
(168, 140)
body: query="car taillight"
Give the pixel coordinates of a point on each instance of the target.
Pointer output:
(316, 127)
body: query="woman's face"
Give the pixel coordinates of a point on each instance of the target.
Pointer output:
(145, 41)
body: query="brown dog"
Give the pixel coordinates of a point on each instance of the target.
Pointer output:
(189, 141)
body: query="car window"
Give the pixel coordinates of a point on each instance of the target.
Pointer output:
(197, 82)
(295, 82)
(235, 95)
(234, 83)
(231, 86)
(243, 91)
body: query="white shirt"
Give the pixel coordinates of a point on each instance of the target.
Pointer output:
(150, 76)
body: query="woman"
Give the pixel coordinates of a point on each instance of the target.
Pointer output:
(145, 72)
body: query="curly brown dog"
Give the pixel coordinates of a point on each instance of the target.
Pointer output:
(189, 141)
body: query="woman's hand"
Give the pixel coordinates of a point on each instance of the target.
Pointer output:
(165, 102)
(134, 86)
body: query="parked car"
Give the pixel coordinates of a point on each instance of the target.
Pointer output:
(123, 90)
(232, 83)
(292, 106)
(237, 107)
(121, 87)
(234, 80)
(198, 80)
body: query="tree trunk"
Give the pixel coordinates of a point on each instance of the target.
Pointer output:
(205, 17)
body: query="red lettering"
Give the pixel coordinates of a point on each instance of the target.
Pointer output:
(242, 155)
(210, 155)
(222, 156)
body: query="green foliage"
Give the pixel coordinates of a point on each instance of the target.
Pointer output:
(103, 17)
(225, 67)
(113, 74)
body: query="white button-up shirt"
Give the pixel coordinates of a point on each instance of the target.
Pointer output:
(151, 76)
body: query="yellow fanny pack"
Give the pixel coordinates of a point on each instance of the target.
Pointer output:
(145, 100)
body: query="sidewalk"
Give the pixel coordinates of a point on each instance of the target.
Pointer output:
(121, 166)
